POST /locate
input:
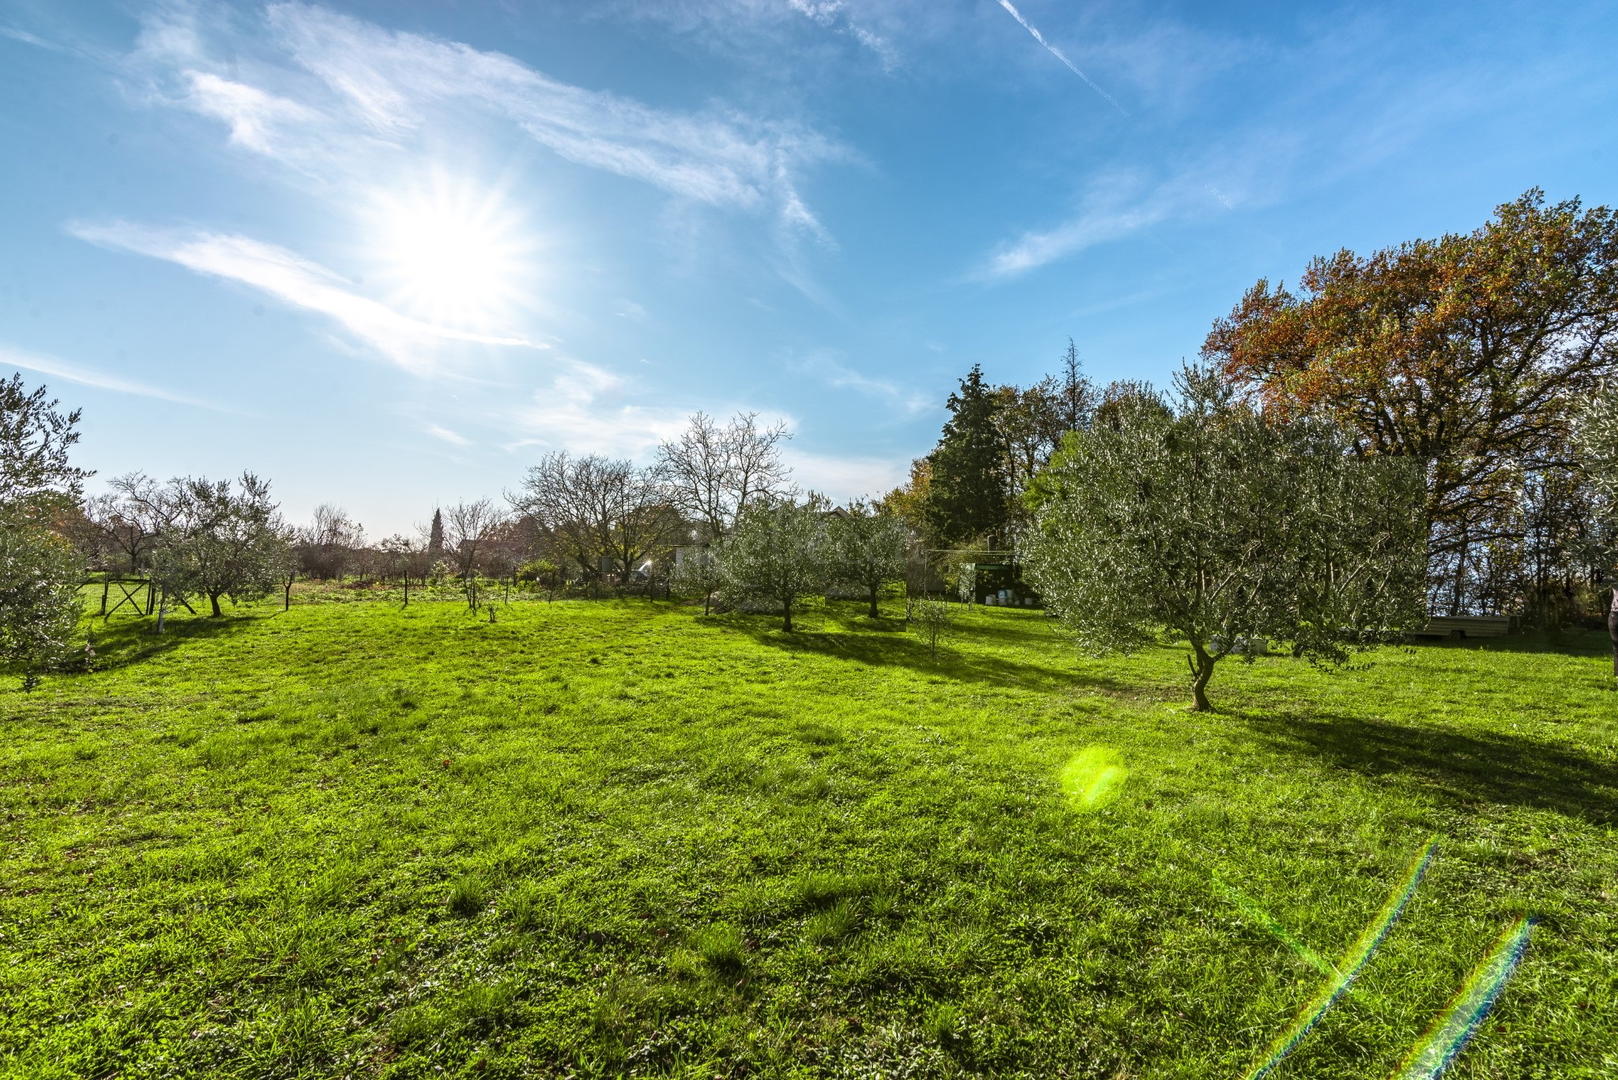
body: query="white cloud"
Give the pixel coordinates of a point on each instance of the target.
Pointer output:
(374, 89)
(840, 376)
(438, 431)
(1124, 202)
(17, 34)
(1096, 224)
(582, 411)
(76, 373)
(288, 277)
(845, 478)
(250, 112)
(762, 31)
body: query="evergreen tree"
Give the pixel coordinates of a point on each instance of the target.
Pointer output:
(435, 539)
(968, 496)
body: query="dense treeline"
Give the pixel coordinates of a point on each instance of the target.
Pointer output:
(1476, 363)
(1479, 358)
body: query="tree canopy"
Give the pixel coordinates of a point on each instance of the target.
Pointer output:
(777, 552)
(967, 491)
(1225, 526)
(221, 539)
(39, 570)
(1466, 354)
(867, 549)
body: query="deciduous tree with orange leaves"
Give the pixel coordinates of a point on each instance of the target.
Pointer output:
(1469, 353)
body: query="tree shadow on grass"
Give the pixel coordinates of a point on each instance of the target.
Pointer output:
(890, 649)
(1572, 642)
(1463, 768)
(123, 642)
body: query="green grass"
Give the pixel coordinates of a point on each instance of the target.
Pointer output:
(619, 838)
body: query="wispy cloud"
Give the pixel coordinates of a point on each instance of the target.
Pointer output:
(293, 280)
(583, 410)
(1123, 202)
(84, 376)
(765, 31)
(840, 376)
(438, 431)
(1059, 54)
(834, 14)
(16, 34)
(378, 90)
(1098, 223)
(251, 113)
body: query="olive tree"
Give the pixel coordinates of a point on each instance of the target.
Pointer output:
(866, 549)
(778, 552)
(1596, 432)
(40, 573)
(221, 540)
(1225, 527)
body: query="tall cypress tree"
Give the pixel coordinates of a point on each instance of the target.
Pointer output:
(967, 499)
(435, 538)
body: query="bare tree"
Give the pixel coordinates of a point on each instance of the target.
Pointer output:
(596, 507)
(127, 519)
(468, 526)
(325, 546)
(714, 472)
(405, 556)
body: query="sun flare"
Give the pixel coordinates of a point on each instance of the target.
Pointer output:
(452, 253)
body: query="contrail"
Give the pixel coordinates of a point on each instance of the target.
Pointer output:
(1054, 51)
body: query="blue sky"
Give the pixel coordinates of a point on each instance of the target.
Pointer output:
(388, 253)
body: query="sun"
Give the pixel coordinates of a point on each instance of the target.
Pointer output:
(452, 253)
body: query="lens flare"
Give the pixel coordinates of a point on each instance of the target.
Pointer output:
(1345, 973)
(1092, 778)
(1466, 1013)
(1251, 909)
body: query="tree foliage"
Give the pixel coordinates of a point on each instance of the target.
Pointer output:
(1464, 354)
(219, 539)
(866, 549)
(778, 552)
(1597, 439)
(967, 500)
(35, 475)
(1225, 526)
(39, 571)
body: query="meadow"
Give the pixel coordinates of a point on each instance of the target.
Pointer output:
(622, 838)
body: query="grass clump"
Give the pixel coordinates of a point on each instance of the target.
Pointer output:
(721, 947)
(468, 896)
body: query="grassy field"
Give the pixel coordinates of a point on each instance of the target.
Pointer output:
(621, 838)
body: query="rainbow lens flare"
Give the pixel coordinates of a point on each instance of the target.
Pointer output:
(1343, 977)
(1449, 1036)
(1092, 778)
(1250, 908)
